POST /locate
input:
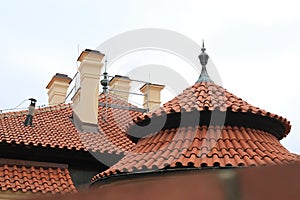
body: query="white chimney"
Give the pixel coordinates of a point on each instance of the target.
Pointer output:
(120, 86)
(151, 95)
(57, 88)
(85, 100)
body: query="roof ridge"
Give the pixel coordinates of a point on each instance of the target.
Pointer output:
(37, 110)
(56, 107)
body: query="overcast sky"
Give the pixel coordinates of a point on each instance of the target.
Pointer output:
(255, 45)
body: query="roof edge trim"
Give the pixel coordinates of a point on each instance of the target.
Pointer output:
(175, 120)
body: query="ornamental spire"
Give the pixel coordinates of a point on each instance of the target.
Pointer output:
(203, 57)
(104, 82)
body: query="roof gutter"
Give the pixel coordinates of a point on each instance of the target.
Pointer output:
(151, 173)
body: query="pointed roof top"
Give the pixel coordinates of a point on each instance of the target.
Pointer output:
(203, 57)
(205, 95)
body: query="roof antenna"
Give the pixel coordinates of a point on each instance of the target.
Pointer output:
(31, 110)
(77, 54)
(203, 57)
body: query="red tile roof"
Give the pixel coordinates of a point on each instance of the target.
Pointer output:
(54, 128)
(190, 146)
(35, 179)
(208, 96)
(197, 145)
(203, 146)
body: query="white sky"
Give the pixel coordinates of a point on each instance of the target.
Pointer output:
(255, 44)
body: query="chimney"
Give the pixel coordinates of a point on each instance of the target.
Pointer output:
(120, 86)
(85, 100)
(57, 88)
(151, 95)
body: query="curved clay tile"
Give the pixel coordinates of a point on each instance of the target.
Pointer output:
(212, 146)
(54, 128)
(203, 96)
(35, 179)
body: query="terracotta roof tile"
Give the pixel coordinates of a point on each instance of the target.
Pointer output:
(53, 127)
(35, 179)
(235, 146)
(209, 96)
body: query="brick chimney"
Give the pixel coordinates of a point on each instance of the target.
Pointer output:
(85, 100)
(120, 86)
(57, 88)
(151, 95)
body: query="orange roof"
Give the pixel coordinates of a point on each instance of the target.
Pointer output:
(248, 136)
(209, 96)
(35, 179)
(54, 128)
(203, 146)
(191, 145)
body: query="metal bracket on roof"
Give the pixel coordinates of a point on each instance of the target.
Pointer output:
(117, 106)
(107, 90)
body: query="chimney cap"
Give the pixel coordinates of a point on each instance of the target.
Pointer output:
(119, 77)
(151, 85)
(92, 54)
(32, 101)
(59, 77)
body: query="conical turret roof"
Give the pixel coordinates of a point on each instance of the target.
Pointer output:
(204, 126)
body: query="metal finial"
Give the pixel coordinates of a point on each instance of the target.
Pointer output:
(105, 64)
(203, 48)
(203, 57)
(104, 82)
